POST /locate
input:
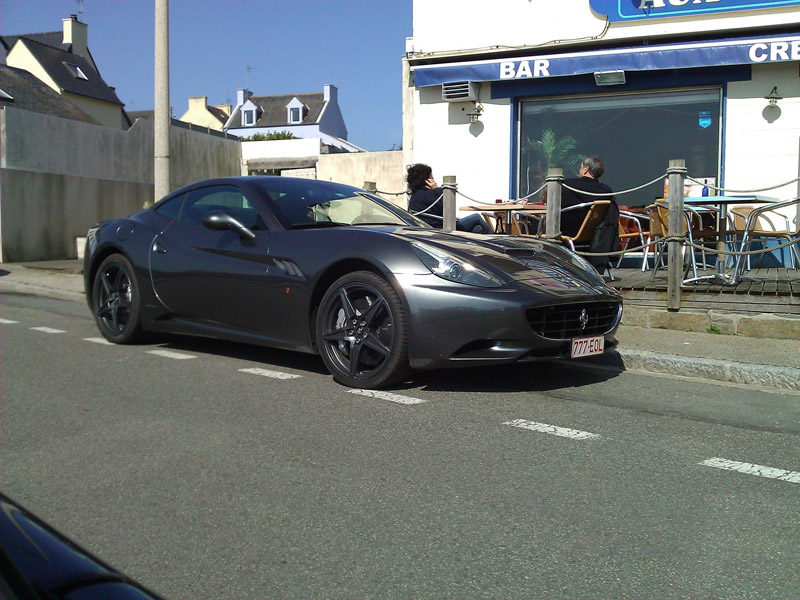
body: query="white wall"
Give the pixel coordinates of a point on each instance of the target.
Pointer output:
(477, 154)
(758, 153)
(300, 148)
(491, 25)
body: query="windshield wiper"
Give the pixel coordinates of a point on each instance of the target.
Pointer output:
(393, 223)
(316, 224)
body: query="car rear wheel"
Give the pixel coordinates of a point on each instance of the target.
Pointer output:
(115, 300)
(362, 333)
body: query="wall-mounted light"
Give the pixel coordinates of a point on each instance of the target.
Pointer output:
(475, 113)
(609, 77)
(772, 111)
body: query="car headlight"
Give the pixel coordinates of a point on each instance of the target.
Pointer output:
(452, 268)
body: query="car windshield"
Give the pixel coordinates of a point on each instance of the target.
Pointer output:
(304, 204)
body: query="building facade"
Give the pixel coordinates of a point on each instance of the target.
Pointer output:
(497, 92)
(62, 61)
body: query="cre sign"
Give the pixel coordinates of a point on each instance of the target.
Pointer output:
(628, 10)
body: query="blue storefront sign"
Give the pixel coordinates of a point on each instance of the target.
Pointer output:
(628, 10)
(740, 51)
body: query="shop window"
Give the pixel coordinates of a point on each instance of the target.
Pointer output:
(636, 135)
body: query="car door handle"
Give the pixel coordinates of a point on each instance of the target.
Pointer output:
(159, 248)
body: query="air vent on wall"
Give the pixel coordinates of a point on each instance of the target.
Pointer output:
(460, 91)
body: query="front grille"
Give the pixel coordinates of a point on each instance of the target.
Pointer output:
(563, 321)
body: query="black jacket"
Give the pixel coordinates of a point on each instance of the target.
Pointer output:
(571, 220)
(424, 198)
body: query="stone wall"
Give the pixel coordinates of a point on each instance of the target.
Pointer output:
(386, 169)
(59, 177)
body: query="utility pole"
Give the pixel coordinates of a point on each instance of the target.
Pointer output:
(162, 115)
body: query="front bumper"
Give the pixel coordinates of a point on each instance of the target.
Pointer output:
(456, 325)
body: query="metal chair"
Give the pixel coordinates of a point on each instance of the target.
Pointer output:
(628, 221)
(659, 213)
(754, 228)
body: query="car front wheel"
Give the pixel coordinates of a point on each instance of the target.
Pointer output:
(115, 300)
(362, 333)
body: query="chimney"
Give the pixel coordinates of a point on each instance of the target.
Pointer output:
(198, 103)
(75, 33)
(226, 108)
(330, 93)
(242, 95)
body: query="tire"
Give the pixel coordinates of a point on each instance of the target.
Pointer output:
(362, 334)
(116, 302)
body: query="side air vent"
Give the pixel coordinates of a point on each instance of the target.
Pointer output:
(460, 91)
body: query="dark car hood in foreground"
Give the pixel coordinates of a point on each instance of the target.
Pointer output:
(43, 560)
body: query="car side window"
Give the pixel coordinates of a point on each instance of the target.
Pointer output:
(227, 199)
(171, 208)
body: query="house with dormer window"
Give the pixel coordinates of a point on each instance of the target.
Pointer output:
(61, 60)
(304, 116)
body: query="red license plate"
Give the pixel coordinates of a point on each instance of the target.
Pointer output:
(587, 346)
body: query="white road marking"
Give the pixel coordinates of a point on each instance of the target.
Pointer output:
(170, 354)
(48, 330)
(751, 469)
(574, 434)
(7, 321)
(387, 396)
(268, 373)
(103, 341)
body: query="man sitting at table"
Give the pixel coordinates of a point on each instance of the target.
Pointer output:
(588, 180)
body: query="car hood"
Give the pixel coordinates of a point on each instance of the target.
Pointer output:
(530, 262)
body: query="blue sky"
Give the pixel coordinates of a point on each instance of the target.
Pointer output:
(293, 46)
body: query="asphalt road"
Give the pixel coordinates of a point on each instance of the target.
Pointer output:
(204, 480)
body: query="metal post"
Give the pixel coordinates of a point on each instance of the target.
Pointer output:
(449, 203)
(161, 115)
(677, 225)
(555, 177)
(371, 186)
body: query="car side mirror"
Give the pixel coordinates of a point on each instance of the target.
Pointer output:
(222, 221)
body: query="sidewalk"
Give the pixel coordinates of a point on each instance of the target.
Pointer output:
(765, 362)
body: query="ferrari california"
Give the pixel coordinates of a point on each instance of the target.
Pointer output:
(326, 268)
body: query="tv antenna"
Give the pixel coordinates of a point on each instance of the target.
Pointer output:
(247, 69)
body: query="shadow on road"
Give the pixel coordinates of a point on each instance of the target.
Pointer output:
(522, 377)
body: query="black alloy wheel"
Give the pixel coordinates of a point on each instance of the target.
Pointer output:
(362, 333)
(115, 300)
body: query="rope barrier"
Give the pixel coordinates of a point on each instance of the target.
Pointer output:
(719, 189)
(679, 170)
(605, 194)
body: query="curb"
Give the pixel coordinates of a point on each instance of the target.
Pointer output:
(787, 378)
(41, 290)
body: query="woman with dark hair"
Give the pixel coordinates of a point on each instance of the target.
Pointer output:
(426, 201)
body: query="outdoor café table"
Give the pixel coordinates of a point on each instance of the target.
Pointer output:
(722, 203)
(507, 209)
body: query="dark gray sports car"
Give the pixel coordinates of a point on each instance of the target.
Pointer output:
(331, 269)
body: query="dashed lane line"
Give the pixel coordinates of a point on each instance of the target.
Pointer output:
(396, 398)
(96, 340)
(48, 330)
(751, 469)
(7, 322)
(574, 434)
(170, 354)
(270, 374)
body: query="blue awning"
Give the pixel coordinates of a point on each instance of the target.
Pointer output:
(740, 51)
